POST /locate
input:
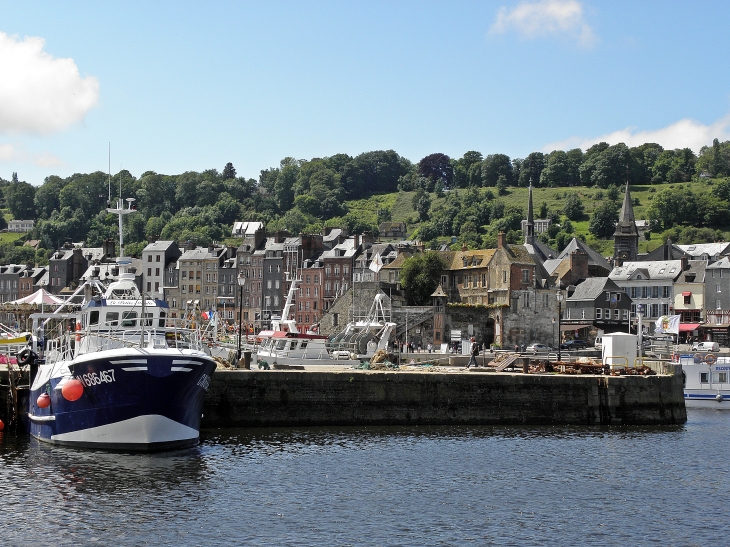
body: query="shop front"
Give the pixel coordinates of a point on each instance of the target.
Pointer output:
(719, 333)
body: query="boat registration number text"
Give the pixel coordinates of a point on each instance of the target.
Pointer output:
(94, 379)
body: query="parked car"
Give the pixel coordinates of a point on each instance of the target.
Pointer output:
(535, 347)
(574, 344)
(705, 346)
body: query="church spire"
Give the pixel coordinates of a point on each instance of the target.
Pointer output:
(626, 236)
(530, 224)
(627, 209)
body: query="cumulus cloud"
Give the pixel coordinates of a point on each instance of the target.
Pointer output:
(40, 94)
(546, 18)
(12, 153)
(682, 134)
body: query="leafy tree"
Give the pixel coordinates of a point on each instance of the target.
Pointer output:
(612, 166)
(46, 196)
(603, 221)
(502, 185)
(420, 276)
(573, 208)
(495, 166)
(437, 168)
(421, 203)
(721, 189)
(284, 186)
(644, 157)
(229, 172)
(511, 221)
(19, 198)
(531, 169)
(463, 166)
(673, 205)
(154, 227)
(427, 231)
(557, 169)
(374, 172)
(156, 194)
(186, 193)
(267, 179)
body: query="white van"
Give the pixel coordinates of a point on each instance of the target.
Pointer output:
(598, 342)
(705, 346)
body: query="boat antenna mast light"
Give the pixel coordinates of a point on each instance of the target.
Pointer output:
(120, 211)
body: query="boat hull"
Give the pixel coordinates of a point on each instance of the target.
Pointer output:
(272, 358)
(132, 400)
(706, 381)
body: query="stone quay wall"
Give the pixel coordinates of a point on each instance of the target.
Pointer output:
(311, 398)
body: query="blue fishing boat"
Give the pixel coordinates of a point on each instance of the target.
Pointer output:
(120, 373)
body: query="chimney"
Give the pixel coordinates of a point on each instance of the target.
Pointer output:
(579, 265)
(685, 264)
(501, 240)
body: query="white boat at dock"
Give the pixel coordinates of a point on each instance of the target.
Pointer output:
(284, 344)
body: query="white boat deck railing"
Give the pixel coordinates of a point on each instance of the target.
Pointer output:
(177, 334)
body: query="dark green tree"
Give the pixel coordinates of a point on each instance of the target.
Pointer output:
(229, 172)
(531, 169)
(19, 198)
(573, 208)
(420, 276)
(603, 221)
(495, 166)
(436, 168)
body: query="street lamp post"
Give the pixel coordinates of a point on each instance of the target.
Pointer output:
(640, 328)
(554, 330)
(559, 295)
(241, 282)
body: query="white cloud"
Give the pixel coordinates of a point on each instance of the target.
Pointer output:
(8, 152)
(40, 94)
(11, 153)
(545, 18)
(682, 134)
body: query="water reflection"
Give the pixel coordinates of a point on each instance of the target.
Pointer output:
(377, 486)
(100, 472)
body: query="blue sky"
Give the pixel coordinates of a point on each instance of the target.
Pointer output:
(188, 86)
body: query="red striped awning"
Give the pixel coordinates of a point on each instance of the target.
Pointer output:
(687, 293)
(686, 327)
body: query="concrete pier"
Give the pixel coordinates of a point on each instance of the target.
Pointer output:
(355, 397)
(254, 398)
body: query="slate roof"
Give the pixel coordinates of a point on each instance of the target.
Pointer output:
(657, 269)
(593, 256)
(593, 287)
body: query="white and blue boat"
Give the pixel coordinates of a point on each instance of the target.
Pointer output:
(706, 380)
(119, 374)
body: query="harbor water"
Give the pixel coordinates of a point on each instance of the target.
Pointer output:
(399, 486)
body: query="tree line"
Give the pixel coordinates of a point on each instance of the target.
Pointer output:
(309, 195)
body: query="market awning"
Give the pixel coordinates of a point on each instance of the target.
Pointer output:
(565, 327)
(686, 293)
(686, 327)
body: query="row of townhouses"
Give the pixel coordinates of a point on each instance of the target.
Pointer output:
(513, 294)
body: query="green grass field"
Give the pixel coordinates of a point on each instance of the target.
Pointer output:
(402, 210)
(9, 237)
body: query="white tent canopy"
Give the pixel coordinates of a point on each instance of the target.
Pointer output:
(41, 296)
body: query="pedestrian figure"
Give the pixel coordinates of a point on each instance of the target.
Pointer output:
(429, 347)
(474, 353)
